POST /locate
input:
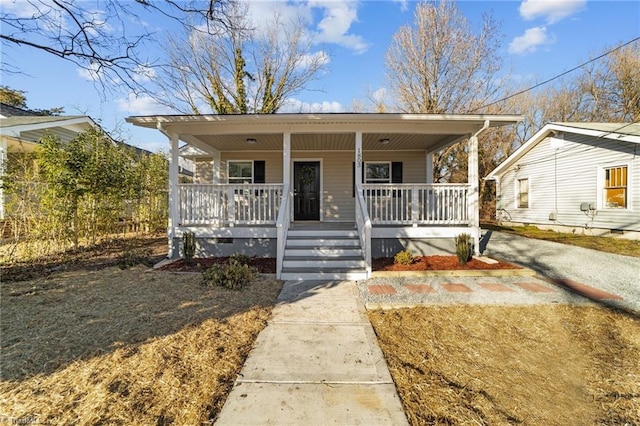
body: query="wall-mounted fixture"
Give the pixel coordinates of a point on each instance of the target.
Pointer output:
(251, 141)
(384, 141)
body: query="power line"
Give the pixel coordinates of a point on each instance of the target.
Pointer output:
(558, 76)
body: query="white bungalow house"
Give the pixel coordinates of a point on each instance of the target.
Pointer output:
(574, 177)
(322, 193)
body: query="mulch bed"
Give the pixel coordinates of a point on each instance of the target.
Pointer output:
(437, 263)
(267, 265)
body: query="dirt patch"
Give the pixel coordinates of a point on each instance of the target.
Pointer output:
(133, 346)
(265, 265)
(513, 365)
(17, 263)
(437, 263)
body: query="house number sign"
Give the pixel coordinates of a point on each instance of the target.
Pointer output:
(359, 158)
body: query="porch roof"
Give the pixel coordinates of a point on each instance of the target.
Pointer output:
(328, 131)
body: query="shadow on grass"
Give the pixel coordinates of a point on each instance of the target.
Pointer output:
(51, 322)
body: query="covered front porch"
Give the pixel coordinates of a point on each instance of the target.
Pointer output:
(258, 175)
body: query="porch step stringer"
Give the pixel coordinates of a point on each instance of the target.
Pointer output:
(323, 254)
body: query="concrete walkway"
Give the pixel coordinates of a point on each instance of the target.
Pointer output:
(316, 363)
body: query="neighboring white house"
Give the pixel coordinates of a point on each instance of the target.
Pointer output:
(21, 131)
(580, 177)
(322, 193)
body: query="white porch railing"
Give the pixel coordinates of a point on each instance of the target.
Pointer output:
(283, 222)
(363, 222)
(229, 204)
(417, 204)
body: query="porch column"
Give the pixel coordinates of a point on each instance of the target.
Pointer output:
(429, 159)
(216, 167)
(173, 191)
(474, 219)
(358, 159)
(286, 160)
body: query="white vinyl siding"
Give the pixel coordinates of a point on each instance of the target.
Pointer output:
(337, 173)
(561, 179)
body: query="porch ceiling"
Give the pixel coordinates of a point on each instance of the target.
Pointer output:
(334, 132)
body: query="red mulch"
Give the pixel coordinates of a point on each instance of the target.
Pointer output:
(265, 265)
(437, 263)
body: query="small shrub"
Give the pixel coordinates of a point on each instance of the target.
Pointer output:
(240, 258)
(132, 256)
(189, 246)
(403, 257)
(463, 248)
(233, 276)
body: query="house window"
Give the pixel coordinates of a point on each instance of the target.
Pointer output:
(377, 172)
(240, 172)
(615, 187)
(523, 193)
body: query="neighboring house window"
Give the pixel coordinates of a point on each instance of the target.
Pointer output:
(377, 173)
(615, 187)
(523, 193)
(246, 171)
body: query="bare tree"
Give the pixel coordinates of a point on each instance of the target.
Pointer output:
(239, 69)
(439, 65)
(96, 36)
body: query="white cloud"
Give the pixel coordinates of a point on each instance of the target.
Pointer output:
(336, 23)
(530, 41)
(404, 4)
(297, 106)
(142, 105)
(320, 56)
(551, 10)
(93, 72)
(144, 73)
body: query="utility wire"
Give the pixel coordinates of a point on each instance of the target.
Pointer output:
(557, 76)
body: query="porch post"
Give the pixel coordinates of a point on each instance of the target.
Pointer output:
(358, 160)
(216, 167)
(286, 159)
(473, 196)
(173, 191)
(429, 159)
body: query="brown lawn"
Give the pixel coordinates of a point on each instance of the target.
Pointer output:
(134, 346)
(471, 365)
(85, 342)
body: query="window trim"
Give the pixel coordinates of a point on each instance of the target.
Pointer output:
(241, 161)
(516, 190)
(390, 178)
(602, 205)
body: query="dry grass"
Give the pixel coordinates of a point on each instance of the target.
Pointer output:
(116, 346)
(513, 365)
(607, 244)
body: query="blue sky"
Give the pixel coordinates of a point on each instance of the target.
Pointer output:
(541, 38)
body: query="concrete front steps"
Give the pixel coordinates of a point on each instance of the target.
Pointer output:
(323, 253)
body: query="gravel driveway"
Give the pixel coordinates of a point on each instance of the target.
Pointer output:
(609, 272)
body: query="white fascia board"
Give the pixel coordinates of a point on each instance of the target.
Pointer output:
(16, 130)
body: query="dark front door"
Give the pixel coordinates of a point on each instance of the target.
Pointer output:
(306, 190)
